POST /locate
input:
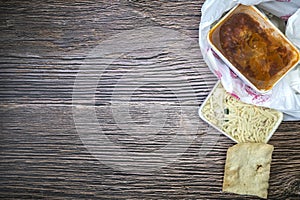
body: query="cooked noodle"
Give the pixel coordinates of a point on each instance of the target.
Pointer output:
(243, 122)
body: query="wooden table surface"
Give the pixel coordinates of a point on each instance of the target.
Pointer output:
(99, 100)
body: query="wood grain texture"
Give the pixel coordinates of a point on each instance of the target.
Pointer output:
(148, 89)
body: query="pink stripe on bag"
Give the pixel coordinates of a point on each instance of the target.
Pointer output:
(286, 17)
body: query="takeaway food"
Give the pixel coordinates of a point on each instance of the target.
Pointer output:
(254, 48)
(247, 169)
(252, 51)
(239, 121)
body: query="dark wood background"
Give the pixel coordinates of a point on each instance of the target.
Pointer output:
(43, 47)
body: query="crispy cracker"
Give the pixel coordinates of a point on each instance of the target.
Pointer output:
(247, 169)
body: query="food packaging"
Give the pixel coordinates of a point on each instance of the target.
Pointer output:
(285, 94)
(259, 54)
(239, 121)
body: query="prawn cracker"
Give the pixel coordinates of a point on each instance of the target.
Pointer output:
(247, 169)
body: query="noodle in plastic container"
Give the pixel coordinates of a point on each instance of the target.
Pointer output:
(239, 121)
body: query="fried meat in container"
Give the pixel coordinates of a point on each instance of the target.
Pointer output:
(239, 121)
(255, 49)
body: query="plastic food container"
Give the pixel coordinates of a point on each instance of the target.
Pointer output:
(239, 121)
(254, 48)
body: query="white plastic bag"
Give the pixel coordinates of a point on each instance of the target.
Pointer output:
(285, 96)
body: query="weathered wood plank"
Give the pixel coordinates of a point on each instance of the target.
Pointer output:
(42, 155)
(45, 45)
(187, 80)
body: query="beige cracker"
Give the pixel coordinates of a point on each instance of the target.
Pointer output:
(247, 169)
